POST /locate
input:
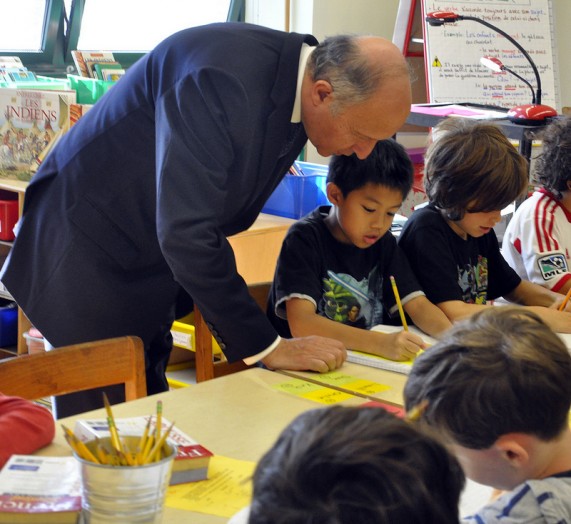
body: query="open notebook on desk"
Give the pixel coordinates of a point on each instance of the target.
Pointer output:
(375, 361)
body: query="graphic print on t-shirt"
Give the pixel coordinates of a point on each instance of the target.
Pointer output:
(473, 280)
(350, 302)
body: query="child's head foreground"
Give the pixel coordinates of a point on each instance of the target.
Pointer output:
(366, 194)
(553, 165)
(343, 465)
(498, 389)
(471, 167)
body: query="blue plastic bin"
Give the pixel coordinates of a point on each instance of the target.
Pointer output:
(298, 195)
(8, 325)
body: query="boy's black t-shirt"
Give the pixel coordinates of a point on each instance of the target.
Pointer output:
(451, 268)
(346, 283)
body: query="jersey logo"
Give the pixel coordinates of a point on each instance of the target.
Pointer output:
(552, 265)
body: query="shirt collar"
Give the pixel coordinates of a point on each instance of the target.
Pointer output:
(306, 50)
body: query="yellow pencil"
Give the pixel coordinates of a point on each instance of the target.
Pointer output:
(159, 421)
(115, 440)
(157, 447)
(399, 304)
(78, 446)
(564, 303)
(416, 412)
(143, 441)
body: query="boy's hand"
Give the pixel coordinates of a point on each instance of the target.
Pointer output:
(558, 302)
(403, 345)
(307, 354)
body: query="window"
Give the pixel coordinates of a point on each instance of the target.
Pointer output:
(129, 28)
(17, 37)
(139, 25)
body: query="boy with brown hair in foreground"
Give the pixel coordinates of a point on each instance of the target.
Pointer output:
(352, 465)
(498, 389)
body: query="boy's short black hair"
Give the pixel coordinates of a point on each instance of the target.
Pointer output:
(501, 371)
(553, 166)
(347, 465)
(471, 166)
(388, 165)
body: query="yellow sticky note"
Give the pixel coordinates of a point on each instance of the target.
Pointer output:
(227, 490)
(313, 392)
(366, 387)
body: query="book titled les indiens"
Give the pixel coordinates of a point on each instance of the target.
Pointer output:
(40, 490)
(191, 461)
(31, 122)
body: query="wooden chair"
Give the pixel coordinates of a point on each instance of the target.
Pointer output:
(207, 366)
(76, 368)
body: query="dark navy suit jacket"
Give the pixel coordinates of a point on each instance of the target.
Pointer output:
(134, 204)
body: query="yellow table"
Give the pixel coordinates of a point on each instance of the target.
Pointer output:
(237, 416)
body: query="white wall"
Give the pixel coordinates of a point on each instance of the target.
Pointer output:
(562, 17)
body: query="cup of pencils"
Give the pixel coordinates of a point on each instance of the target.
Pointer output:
(124, 479)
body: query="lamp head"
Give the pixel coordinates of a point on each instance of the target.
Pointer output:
(493, 63)
(438, 18)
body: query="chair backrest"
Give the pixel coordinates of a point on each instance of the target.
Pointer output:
(76, 368)
(206, 366)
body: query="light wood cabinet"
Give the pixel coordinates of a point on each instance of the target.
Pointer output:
(257, 248)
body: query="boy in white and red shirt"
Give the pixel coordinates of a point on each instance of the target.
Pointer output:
(537, 241)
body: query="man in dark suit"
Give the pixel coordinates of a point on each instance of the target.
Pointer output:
(129, 214)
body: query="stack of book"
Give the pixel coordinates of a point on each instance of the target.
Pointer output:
(99, 65)
(13, 70)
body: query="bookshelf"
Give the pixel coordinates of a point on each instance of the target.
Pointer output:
(18, 187)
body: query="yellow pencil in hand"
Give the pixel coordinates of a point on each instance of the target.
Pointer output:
(416, 412)
(399, 304)
(564, 303)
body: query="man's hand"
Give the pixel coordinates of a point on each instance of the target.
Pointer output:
(307, 354)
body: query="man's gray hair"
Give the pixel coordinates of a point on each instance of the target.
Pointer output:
(354, 77)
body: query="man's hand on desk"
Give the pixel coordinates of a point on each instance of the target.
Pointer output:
(307, 353)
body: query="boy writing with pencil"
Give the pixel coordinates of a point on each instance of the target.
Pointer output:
(537, 241)
(497, 390)
(333, 272)
(472, 172)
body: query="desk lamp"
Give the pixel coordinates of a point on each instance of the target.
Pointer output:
(529, 114)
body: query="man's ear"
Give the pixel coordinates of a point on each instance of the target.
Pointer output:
(514, 448)
(334, 194)
(320, 91)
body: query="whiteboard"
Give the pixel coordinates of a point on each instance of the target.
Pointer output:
(452, 52)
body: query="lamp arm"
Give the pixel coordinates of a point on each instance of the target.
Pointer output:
(533, 98)
(516, 44)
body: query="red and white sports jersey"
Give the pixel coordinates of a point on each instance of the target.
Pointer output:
(537, 241)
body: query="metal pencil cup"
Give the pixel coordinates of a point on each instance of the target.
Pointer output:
(126, 494)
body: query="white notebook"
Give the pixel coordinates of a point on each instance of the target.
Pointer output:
(375, 361)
